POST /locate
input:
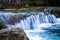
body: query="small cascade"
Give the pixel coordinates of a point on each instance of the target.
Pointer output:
(37, 25)
(28, 22)
(51, 18)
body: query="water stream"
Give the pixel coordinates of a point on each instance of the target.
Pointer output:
(37, 25)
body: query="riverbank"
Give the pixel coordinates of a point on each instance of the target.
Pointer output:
(31, 8)
(56, 10)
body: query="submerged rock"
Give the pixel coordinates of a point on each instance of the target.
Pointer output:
(13, 34)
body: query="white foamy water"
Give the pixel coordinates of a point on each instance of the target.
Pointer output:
(35, 26)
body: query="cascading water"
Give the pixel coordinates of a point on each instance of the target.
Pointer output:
(37, 25)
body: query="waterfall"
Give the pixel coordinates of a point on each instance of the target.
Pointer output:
(37, 25)
(27, 22)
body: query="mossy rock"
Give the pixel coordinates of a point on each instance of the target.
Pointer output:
(13, 34)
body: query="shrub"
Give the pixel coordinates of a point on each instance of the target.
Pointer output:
(27, 6)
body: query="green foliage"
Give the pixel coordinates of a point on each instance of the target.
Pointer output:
(27, 6)
(20, 30)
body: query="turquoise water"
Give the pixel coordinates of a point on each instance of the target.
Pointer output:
(46, 36)
(51, 34)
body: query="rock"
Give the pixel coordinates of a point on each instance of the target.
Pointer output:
(13, 34)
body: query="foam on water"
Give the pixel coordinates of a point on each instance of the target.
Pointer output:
(41, 34)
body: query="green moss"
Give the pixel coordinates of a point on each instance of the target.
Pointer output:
(20, 30)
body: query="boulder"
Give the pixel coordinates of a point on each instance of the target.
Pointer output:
(13, 34)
